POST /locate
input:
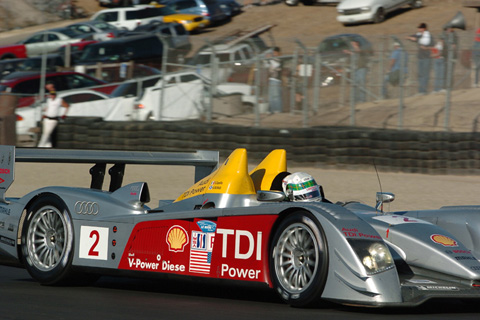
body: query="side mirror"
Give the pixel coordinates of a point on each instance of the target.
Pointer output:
(383, 197)
(270, 196)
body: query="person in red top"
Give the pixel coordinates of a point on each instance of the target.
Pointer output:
(476, 56)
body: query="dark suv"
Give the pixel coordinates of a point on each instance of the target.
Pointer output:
(144, 48)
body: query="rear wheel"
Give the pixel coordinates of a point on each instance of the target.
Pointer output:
(47, 241)
(298, 259)
(379, 16)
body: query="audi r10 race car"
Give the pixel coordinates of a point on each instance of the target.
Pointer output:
(236, 224)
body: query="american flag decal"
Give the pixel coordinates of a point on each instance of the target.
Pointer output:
(201, 252)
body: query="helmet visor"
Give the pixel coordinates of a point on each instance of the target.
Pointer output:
(305, 191)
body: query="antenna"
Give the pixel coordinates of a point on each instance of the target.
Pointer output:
(378, 177)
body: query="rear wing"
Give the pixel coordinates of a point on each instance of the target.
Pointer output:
(204, 162)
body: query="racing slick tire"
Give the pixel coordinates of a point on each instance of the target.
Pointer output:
(47, 240)
(299, 259)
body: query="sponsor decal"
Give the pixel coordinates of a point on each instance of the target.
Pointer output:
(458, 251)
(5, 211)
(396, 219)
(254, 245)
(475, 268)
(134, 190)
(4, 171)
(421, 281)
(2, 224)
(201, 247)
(438, 288)
(465, 258)
(443, 240)
(177, 239)
(86, 207)
(11, 227)
(7, 241)
(354, 233)
(241, 273)
(1, 180)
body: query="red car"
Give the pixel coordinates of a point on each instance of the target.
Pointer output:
(27, 84)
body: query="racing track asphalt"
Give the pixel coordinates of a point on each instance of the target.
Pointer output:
(126, 298)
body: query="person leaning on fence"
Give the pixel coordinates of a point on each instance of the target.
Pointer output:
(425, 41)
(275, 69)
(398, 61)
(476, 57)
(360, 74)
(51, 115)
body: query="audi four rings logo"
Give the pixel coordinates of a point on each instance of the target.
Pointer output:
(86, 207)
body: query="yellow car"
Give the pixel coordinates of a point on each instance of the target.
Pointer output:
(191, 22)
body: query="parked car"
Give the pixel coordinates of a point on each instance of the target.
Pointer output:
(235, 56)
(174, 33)
(51, 40)
(143, 48)
(310, 2)
(191, 22)
(210, 9)
(175, 96)
(52, 62)
(80, 101)
(359, 11)
(128, 17)
(27, 84)
(230, 7)
(99, 30)
(335, 60)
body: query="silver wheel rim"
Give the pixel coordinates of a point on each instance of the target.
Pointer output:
(46, 238)
(296, 258)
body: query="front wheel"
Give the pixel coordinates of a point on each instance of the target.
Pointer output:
(299, 259)
(415, 4)
(379, 16)
(292, 2)
(47, 240)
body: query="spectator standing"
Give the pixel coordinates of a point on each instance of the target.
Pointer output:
(439, 59)
(425, 41)
(275, 82)
(360, 74)
(476, 56)
(51, 115)
(398, 62)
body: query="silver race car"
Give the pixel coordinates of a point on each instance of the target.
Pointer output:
(235, 224)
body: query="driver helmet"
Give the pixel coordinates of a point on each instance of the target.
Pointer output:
(301, 186)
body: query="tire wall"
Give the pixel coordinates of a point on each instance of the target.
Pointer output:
(329, 147)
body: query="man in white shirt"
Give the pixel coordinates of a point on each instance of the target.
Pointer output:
(51, 115)
(425, 41)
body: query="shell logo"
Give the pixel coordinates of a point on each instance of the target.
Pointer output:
(444, 240)
(177, 238)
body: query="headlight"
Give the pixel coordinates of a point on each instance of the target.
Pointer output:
(340, 11)
(185, 21)
(374, 255)
(366, 9)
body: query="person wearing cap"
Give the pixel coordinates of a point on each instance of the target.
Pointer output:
(398, 62)
(51, 115)
(476, 56)
(425, 41)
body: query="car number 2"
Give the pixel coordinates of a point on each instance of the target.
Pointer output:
(93, 243)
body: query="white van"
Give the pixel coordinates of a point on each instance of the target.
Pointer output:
(129, 17)
(359, 11)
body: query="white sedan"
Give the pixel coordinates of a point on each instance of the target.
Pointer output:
(49, 41)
